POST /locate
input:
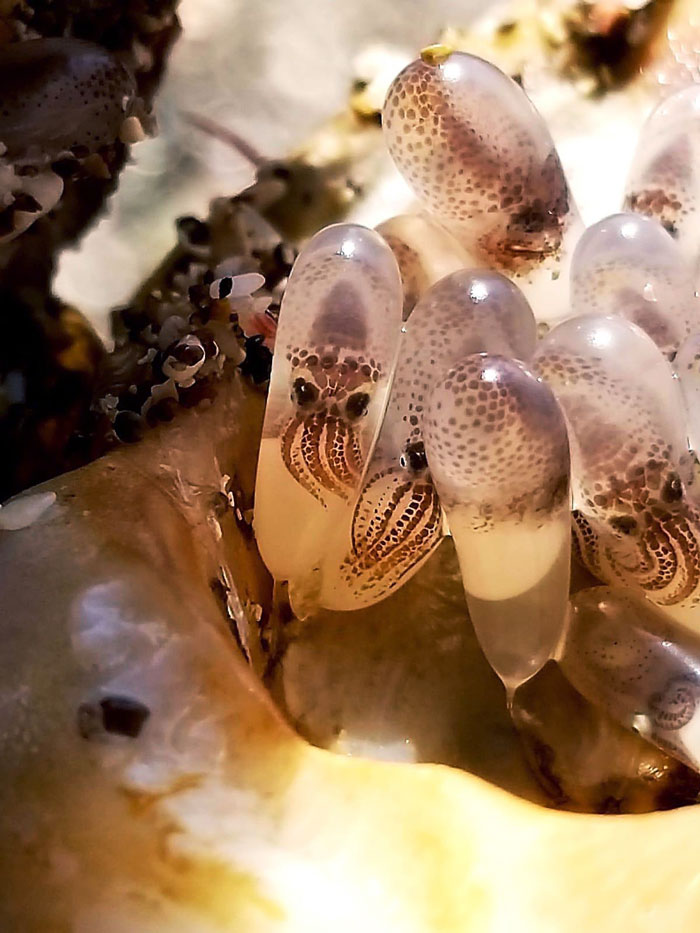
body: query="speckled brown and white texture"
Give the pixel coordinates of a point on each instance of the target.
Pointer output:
(397, 519)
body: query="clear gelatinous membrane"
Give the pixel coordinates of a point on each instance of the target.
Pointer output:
(497, 448)
(586, 760)
(397, 522)
(625, 656)
(628, 264)
(425, 253)
(635, 520)
(481, 159)
(334, 355)
(687, 368)
(664, 178)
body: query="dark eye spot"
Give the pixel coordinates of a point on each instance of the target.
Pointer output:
(414, 457)
(625, 524)
(304, 393)
(357, 405)
(530, 219)
(673, 489)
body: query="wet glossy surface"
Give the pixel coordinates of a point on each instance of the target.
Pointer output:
(397, 520)
(334, 354)
(628, 264)
(480, 157)
(498, 451)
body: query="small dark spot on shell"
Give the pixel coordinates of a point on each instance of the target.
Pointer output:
(129, 426)
(281, 172)
(123, 715)
(258, 360)
(225, 286)
(115, 714)
(66, 168)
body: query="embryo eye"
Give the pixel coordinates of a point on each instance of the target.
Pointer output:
(414, 457)
(357, 405)
(304, 393)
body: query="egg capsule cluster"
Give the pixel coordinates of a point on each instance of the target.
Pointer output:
(397, 520)
(596, 435)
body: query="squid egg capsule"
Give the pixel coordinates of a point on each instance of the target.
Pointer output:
(498, 453)
(628, 264)
(687, 367)
(481, 159)
(468, 311)
(622, 403)
(59, 94)
(630, 659)
(335, 350)
(424, 251)
(635, 521)
(664, 178)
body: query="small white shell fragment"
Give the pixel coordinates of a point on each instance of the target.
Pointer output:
(24, 511)
(236, 286)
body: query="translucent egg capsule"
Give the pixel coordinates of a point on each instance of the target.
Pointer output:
(586, 760)
(625, 656)
(397, 522)
(687, 367)
(664, 180)
(480, 157)
(334, 354)
(59, 94)
(636, 525)
(628, 264)
(425, 253)
(497, 449)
